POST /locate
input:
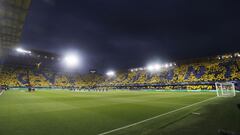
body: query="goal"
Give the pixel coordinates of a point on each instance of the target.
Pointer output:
(226, 89)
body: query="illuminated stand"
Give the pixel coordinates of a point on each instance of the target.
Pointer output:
(226, 89)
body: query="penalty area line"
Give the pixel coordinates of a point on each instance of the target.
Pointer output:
(143, 121)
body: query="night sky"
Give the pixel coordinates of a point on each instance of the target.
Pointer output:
(120, 34)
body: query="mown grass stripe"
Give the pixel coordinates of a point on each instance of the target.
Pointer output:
(143, 121)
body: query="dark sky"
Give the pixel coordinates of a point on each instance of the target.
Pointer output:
(129, 33)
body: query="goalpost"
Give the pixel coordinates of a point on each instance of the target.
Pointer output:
(225, 89)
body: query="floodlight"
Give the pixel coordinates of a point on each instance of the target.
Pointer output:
(157, 67)
(71, 60)
(110, 73)
(154, 67)
(150, 67)
(21, 50)
(166, 65)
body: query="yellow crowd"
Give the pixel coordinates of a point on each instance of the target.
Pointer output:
(209, 71)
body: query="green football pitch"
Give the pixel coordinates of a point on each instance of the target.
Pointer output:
(61, 112)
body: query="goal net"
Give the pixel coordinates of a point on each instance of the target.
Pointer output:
(226, 89)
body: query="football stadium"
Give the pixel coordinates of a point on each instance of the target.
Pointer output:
(43, 92)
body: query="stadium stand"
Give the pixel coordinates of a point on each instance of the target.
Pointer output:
(198, 75)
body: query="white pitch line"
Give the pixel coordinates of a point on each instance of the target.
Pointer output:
(140, 122)
(1, 93)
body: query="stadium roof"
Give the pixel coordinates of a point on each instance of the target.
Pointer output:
(12, 15)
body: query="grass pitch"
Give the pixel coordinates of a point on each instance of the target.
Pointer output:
(61, 112)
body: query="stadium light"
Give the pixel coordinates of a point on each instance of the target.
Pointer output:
(71, 60)
(150, 67)
(110, 73)
(21, 50)
(157, 67)
(166, 65)
(154, 67)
